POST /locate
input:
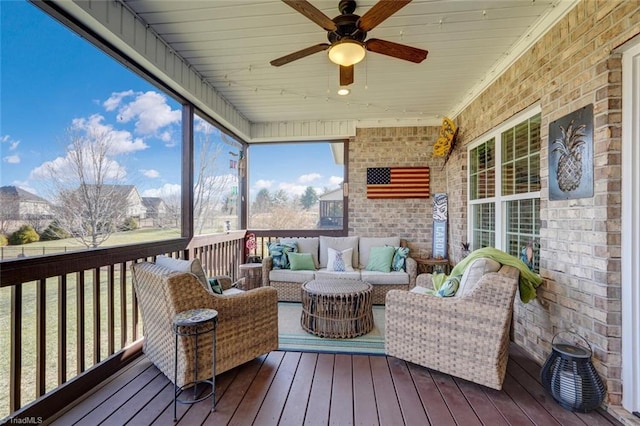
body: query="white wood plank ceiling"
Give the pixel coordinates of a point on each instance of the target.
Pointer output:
(231, 42)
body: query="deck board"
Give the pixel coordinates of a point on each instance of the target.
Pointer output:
(294, 388)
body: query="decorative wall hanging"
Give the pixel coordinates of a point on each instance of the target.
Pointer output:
(398, 182)
(439, 243)
(571, 155)
(444, 143)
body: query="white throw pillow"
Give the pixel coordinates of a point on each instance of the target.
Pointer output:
(340, 260)
(474, 271)
(194, 266)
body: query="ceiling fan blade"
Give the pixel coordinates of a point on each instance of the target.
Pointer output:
(379, 12)
(400, 51)
(299, 54)
(311, 12)
(346, 75)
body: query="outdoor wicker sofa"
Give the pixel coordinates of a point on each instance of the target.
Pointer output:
(247, 321)
(288, 282)
(466, 336)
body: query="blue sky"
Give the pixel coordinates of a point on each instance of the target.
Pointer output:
(52, 80)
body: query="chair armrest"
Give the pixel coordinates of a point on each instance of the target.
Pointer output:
(412, 270)
(267, 265)
(425, 280)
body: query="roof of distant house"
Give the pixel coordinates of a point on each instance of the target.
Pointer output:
(13, 192)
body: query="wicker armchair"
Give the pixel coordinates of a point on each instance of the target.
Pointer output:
(247, 322)
(465, 336)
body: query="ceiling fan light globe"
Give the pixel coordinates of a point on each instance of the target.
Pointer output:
(344, 91)
(347, 52)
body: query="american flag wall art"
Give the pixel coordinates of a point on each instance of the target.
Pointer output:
(397, 182)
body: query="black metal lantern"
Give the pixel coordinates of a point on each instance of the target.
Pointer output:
(570, 377)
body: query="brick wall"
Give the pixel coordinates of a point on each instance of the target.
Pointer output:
(573, 65)
(411, 218)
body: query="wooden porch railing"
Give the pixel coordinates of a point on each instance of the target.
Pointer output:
(64, 314)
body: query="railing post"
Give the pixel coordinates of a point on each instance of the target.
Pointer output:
(16, 348)
(62, 329)
(41, 336)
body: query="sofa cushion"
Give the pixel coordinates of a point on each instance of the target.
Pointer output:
(473, 272)
(380, 259)
(193, 266)
(337, 243)
(278, 252)
(301, 262)
(375, 277)
(326, 274)
(340, 261)
(289, 276)
(306, 245)
(367, 242)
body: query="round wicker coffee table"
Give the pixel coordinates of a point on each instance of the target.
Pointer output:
(337, 308)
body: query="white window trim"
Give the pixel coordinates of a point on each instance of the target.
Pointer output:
(631, 228)
(499, 199)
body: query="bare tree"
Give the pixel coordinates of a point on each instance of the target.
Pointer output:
(90, 198)
(211, 187)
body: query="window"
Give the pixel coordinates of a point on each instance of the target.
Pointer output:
(90, 150)
(218, 165)
(296, 186)
(504, 188)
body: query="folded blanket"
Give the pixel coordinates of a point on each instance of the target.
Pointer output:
(529, 280)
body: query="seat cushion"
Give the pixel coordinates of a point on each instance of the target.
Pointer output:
(375, 277)
(289, 276)
(367, 242)
(473, 272)
(326, 274)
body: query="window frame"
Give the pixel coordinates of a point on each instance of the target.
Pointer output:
(498, 199)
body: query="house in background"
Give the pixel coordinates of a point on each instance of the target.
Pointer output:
(332, 209)
(156, 210)
(18, 207)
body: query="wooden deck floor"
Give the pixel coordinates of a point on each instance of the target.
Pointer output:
(293, 388)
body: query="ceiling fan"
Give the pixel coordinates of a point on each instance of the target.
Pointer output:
(347, 33)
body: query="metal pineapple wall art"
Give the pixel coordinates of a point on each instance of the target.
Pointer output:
(571, 155)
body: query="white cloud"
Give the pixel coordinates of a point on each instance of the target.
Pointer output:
(309, 177)
(120, 141)
(116, 99)
(261, 184)
(150, 112)
(12, 159)
(62, 169)
(335, 180)
(293, 188)
(151, 173)
(13, 144)
(166, 191)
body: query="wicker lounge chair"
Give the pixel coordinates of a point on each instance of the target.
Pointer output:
(247, 321)
(466, 336)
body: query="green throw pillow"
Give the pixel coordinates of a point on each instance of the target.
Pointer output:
(215, 286)
(301, 262)
(380, 259)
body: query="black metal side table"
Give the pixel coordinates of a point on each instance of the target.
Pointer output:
(194, 323)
